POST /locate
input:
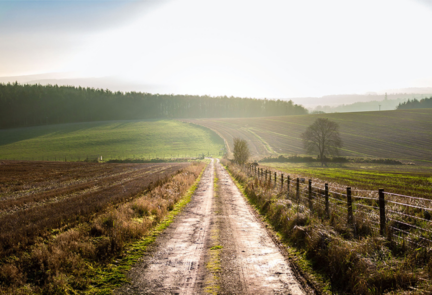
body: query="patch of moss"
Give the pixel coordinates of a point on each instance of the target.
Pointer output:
(216, 247)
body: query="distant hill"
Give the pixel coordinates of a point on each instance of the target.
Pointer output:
(358, 102)
(369, 106)
(404, 134)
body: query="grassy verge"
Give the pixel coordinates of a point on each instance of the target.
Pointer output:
(329, 254)
(94, 257)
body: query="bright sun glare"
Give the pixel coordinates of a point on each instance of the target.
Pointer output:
(279, 48)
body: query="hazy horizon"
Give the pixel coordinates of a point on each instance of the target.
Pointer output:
(280, 49)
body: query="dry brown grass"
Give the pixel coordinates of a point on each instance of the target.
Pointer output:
(64, 262)
(22, 228)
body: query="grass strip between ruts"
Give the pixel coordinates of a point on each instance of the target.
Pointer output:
(114, 275)
(213, 265)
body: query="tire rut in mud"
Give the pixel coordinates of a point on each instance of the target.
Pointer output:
(251, 262)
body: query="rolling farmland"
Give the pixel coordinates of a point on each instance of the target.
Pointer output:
(404, 135)
(110, 139)
(61, 220)
(38, 196)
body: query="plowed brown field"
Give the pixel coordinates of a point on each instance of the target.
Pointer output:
(36, 197)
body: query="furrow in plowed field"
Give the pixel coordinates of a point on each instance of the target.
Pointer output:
(404, 134)
(181, 262)
(8, 206)
(21, 228)
(21, 178)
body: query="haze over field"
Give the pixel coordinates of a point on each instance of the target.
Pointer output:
(276, 49)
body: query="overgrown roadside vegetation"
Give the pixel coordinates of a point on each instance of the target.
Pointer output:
(351, 264)
(94, 256)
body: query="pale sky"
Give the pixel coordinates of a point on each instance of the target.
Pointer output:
(272, 48)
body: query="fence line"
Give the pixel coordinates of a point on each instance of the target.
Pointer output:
(412, 217)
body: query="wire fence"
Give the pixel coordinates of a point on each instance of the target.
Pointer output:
(406, 218)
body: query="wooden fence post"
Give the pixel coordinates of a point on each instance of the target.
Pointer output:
(350, 210)
(310, 196)
(326, 200)
(275, 179)
(282, 181)
(269, 178)
(288, 184)
(382, 211)
(298, 192)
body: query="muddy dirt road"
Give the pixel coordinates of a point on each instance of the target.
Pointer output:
(181, 261)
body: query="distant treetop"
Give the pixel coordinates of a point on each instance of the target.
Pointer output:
(424, 103)
(30, 105)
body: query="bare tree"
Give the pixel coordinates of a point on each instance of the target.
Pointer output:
(241, 151)
(322, 137)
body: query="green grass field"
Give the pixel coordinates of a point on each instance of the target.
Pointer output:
(110, 139)
(403, 179)
(405, 135)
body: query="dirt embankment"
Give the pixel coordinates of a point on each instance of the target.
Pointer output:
(181, 261)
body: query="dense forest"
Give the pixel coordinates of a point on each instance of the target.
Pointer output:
(416, 104)
(30, 105)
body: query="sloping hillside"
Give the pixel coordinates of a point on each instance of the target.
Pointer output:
(402, 134)
(110, 139)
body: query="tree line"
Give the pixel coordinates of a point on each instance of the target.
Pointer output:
(30, 105)
(416, 104)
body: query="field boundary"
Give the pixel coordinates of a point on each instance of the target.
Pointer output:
(389, 213)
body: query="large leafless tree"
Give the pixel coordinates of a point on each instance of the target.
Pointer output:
(322, 137)
(241, 151)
